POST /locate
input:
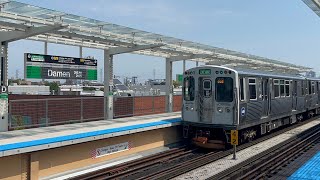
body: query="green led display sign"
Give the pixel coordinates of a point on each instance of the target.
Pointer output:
(205, 72)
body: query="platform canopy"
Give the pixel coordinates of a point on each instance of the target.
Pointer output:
(314, 5)
(86, 32)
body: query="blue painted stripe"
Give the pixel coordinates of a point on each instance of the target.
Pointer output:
(310, 170)
(84, 135)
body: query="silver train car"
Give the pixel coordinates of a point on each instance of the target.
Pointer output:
(218, 99)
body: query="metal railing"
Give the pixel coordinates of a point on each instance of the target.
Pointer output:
(143, 105)
(49, 110)
(27, 113)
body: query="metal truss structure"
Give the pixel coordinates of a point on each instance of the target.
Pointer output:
(314, 5)
(85, 32)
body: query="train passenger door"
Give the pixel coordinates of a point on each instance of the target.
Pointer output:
(265, 97)
(294, 95)
(318, 91)
(205, 100)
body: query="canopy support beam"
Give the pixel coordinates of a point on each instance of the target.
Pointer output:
(192, 56)
(121, 50)
(9, 36)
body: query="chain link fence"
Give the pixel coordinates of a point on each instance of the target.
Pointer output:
(177, 103)
(25, 112)
(28, 113)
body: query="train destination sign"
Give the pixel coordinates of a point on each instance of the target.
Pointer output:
(39, 66)
(204, 71)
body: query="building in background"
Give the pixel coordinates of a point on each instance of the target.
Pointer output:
(29, 89)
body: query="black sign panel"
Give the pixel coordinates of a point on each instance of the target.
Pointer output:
(39, 66)
(30, 57)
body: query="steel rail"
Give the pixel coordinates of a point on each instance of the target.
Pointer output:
(124, 168)
(192, 164)
(259, 165)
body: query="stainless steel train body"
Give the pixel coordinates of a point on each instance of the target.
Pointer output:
(218, 99)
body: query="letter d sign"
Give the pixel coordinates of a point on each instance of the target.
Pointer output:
(4, 89)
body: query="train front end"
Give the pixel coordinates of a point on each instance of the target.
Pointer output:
(210, 105)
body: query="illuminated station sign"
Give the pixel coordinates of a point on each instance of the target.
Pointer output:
(39, 66)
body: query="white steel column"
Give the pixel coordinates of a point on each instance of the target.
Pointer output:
(108, 84)
(46, 48)
(184, 66)
(197, 63)
(5, 38)
(80, 52)
(45, 52)
(4, 121)
(169, 90)
(108, 73)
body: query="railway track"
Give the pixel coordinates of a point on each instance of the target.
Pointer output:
(125, 170)
(266, 164)
(192, 164)
(174, 162)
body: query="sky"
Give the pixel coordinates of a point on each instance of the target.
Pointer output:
(285, 30)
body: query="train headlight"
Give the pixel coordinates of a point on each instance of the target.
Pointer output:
(191, 109)
(228, 110)
(219, 109)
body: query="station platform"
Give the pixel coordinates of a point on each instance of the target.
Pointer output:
(46, 151)
(220, 165)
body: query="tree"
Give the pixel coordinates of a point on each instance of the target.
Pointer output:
(54, 86)
(175, 84)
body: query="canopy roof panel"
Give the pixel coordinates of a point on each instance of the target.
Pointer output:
(314, 5)
(87, 32)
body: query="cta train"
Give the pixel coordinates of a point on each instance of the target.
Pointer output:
(219, 99)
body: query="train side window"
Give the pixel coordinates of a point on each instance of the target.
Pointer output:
(252, 89)
(276, 88)
(309, 87)
(188, 89)
(287, 88)
(282, 89)
(242, 89)
(313, 87)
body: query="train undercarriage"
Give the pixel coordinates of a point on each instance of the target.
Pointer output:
(219, 137)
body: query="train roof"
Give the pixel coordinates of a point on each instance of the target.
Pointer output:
(254, 72)
(268, 74)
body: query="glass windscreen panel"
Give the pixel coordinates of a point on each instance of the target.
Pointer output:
(188, 89)
(224, 89)
(207, 84)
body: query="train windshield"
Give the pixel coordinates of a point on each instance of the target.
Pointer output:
(188, 89)
(224, 89)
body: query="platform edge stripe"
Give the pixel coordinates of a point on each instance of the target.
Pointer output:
(84, 135)
(307, 170)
